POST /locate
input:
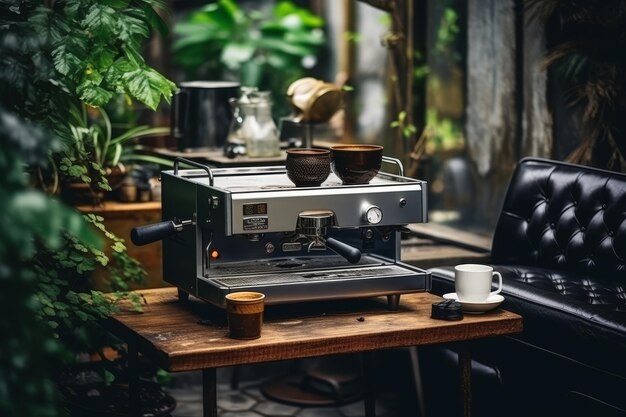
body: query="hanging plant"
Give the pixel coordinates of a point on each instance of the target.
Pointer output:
(589, 59)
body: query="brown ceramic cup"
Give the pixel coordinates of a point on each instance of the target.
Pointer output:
(245, 314)
(307, 167)
(356, 164)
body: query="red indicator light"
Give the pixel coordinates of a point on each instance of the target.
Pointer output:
(215, 254)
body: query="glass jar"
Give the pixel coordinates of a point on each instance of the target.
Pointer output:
(234, 131)
(257, 126)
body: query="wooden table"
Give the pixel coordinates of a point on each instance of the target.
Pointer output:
(193, 335)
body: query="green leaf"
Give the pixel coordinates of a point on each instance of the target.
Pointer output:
(102, 58)
(108, 377)
(156, 21)
(147, 86)
(118, 247)
(130, 28)
(100, 19)
(286, 9)
(117, 4)
(282, 46)
(233, 55)
(94, 95)
(65, 62)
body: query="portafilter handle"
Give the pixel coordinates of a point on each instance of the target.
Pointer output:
(142, 235)
(352, 254)
(315, 223)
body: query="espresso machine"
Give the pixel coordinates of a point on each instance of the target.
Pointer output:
(250, 229)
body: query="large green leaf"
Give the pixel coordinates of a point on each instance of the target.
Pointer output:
(131, 29)
(102, 58)
(287, 48)
(94, 95)
(156, 21)
(147, 86)
(100, 19)
(286, 9)
(235, 54)
(65, 62)
(197, 33)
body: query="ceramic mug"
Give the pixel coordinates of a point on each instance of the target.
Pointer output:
(245, 314)
(472, 282)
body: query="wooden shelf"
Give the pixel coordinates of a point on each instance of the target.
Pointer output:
(116, 207)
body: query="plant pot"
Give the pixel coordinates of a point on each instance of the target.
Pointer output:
(87, 394)
(80, 193)
(115, 175)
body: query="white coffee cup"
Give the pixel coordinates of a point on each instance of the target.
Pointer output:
(472, 282)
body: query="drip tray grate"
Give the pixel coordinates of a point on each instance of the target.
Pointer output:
(311, 276)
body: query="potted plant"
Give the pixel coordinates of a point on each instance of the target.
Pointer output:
(268, 51)
(57, 56)
(93, 163)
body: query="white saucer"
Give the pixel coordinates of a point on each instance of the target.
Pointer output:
(490, 303)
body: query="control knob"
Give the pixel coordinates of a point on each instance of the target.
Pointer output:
(373, 215)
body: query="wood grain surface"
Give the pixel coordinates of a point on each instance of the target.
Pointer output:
(194, 335)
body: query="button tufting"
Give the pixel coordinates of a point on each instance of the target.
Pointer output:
(582, 229)
(604, 206)
(610, 233)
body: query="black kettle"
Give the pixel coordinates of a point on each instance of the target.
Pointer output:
(201, 114)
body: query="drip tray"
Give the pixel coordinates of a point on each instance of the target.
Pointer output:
(318, 285)
(309, 276)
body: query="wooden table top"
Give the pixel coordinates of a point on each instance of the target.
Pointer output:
(194, 335)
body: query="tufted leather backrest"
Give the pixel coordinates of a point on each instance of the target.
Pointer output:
(566, 217)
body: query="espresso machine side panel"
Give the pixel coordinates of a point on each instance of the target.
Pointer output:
(180, 251)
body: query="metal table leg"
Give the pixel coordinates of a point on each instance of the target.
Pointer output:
(209, 393)
(134, 399)
(367, 363)
(417, 380)
(465, 380)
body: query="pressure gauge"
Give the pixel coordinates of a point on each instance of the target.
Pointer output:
(373, 215)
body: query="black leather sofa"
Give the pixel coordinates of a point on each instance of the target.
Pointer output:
(560, 245)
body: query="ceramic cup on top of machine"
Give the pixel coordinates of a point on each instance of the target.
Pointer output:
(356, 164)
(201, 114)
(307, 167)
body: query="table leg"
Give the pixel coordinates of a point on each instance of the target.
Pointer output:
(134, 399)
(209, 393)
(417, 380)
(367, 363)
(465, 379)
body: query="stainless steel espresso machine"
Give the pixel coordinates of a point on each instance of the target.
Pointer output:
(250, 229)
